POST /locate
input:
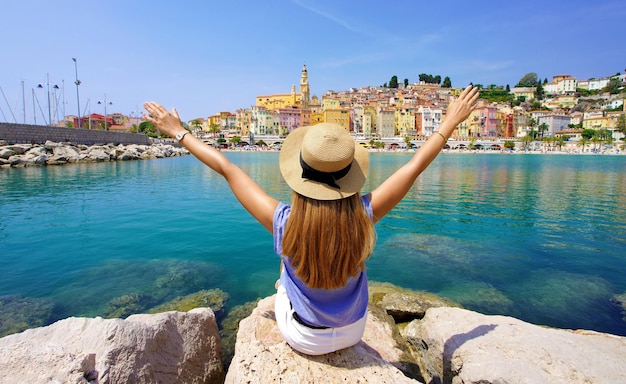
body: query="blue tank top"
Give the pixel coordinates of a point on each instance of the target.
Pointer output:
(316, 306)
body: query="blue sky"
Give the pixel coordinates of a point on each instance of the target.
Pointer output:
(208, 56)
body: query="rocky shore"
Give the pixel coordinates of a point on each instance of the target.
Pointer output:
(52, 153)
(410, 337)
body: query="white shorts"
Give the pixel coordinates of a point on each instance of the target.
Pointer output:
(312, 341)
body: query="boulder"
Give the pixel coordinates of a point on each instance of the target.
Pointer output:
(461, 346)
(170, 347)
(50, 145)
(5, 153)
(128, 155)
(262, 355)
(98, 154)
(66, 151)
(19, 149)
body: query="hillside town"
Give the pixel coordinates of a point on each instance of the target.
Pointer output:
(553, 113)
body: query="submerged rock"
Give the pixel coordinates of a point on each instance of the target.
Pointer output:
(229, 327)
(403, 304)
(18, 313)
(621, 301)
(126, 305)
(212, 298)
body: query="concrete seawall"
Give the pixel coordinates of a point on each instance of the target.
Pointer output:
(39, 134)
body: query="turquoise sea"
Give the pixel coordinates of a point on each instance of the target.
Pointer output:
(538, 237)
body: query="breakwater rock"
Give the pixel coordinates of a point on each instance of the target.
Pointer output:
(169, 347)
(52, 153)
(409, 338)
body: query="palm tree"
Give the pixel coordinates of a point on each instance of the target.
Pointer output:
(472, 143)
(559, 141)
(597, 141)
(548, 140)
(196, 124)
(583, 143)
(407, 141)
(214, 129)
(235, 140)
(532, 123)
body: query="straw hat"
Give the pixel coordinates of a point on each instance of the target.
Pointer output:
(323, 162)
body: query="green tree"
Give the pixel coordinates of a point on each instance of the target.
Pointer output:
(406, 83)
(549, 141)
(529, 80)
(588, 133)
(430, 79)
(614, 86)
(583, 143)
(621, 123)
(196, 123)
(235, 140)
(214, 129)
(532, 123)
(526, 140)
(447, 83)
(509, 144)
(542, 128)
(148, 128)
(559, 141)
(393, 83)
(539, 92)
(407, 141)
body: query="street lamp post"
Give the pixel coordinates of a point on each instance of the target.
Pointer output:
(105, 110)
(137, 115)
(40, 86)
(55, 101)
(77, 82)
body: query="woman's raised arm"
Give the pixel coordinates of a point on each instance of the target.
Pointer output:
(253, 198)
(392, 190)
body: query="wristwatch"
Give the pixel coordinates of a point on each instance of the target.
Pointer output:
(180, 135)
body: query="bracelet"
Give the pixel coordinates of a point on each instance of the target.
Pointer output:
(441, 134)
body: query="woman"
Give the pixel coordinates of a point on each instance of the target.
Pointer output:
(327, 233)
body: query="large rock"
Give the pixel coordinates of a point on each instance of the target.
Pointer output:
(170, 347)
(262, 355)
(461, 346)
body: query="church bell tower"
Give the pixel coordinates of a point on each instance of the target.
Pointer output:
(305, 94)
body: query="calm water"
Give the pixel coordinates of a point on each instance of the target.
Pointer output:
(538, 237)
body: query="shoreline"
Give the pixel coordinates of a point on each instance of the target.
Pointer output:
(55, 153)
(459, 151)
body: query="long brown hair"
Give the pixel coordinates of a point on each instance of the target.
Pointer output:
(328, 240)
